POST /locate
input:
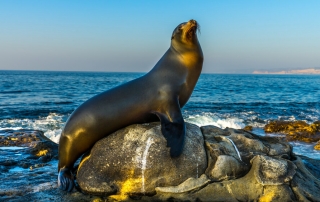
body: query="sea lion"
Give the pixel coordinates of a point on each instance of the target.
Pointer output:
(157, 95)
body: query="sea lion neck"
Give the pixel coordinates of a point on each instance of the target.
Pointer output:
(191, 56)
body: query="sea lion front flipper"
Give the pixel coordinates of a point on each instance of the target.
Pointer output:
(65, 180)
(173, 127)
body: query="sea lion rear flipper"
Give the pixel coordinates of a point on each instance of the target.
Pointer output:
(173, 128)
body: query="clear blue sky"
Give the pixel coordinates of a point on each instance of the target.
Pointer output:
(236, 36)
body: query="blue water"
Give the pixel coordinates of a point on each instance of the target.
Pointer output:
(44, 100)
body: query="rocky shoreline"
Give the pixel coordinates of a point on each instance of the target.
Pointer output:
(134, 164)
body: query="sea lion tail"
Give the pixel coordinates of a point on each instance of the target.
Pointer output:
(65, 180)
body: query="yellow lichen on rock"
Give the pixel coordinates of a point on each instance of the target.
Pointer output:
(42, 152)
(267, 197)
(82, 161)
(317, 146)
(248, 128)
(295, 130)
(126, 187)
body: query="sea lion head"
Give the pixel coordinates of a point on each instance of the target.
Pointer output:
(185, 34)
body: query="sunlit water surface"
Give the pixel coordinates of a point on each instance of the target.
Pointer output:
(44, 100)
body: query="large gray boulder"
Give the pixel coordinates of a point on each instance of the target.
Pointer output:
(135, 160)
(216, 165)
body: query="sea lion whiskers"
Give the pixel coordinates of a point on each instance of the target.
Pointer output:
(194, 27)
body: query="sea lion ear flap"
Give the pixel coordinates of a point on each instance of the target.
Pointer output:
(172, 37)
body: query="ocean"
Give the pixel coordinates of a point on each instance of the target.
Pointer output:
(43, 100)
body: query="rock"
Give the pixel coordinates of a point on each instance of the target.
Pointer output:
(222, 154)
(312, 165)
(277, 146)
(248, 128)
(241, 166)
(305, 185)
(135, 160)
(35, 148)
(190, 184)
(224, 161)
(211, 131)
(248, 145)
(21, 137)
(23, 171)
(295, 130)
(270, 171)
(226, 168)
(46, 150)
(254, 186)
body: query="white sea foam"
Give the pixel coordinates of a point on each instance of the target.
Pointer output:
(51, 125)
(202, 120)
(305, 149)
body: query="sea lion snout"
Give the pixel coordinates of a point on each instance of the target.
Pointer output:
(192, 21)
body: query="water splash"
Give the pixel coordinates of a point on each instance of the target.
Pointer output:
(235, 147)
(51, 125)
(210, 119)
(144, 162)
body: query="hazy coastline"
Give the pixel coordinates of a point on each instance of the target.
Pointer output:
(297, 71)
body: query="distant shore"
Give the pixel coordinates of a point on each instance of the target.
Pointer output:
(299, 71)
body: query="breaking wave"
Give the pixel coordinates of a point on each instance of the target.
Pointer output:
(51, 125)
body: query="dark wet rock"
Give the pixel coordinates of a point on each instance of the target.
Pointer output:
(135, 160)
(22, 169)
(46, 150)
(21, 137)
(37, 150)
(304, 184)
(210, 131)
(312, 165)
(295, 130)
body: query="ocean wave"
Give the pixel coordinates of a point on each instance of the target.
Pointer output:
(51, 125)
(202, 120)
(305, 149)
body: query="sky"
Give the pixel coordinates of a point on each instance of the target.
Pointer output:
(131, 36)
